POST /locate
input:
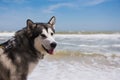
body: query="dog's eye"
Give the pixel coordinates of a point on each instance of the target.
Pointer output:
(51, 34)
(43, 36)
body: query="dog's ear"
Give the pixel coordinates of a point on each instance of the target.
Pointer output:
(29, 23)
(30, 26)
(52, 21)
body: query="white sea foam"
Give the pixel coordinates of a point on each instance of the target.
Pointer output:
(6, 34)
(90, 43)
(89, 36)
(75, 68)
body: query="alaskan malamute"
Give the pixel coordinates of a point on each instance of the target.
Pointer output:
(20, 54)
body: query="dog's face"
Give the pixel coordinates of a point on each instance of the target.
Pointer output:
(42, 34)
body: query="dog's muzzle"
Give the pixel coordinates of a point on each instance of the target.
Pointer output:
(51, 50)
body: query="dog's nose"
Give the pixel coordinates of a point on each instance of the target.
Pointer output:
(53, 45)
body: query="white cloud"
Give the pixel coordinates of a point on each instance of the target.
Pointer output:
(71, 4)
(52, 8)
(93, 2)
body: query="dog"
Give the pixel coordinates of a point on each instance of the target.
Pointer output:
(20, 54)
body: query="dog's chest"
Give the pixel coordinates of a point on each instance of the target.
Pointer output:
(32, 66)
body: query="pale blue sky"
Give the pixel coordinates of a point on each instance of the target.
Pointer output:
(72, 15)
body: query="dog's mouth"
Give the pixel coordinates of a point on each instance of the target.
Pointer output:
(50, 51)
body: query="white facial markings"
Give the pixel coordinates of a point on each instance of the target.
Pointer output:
(49, 36)
(41, 41)
(50, 31)
(44, 32)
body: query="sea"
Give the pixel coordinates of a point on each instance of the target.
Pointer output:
(79, 57)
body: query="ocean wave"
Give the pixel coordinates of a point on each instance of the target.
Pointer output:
(94, 44)
(112, 60)
(6, 34)
(78, 53)
(83, 45)
(88, 36)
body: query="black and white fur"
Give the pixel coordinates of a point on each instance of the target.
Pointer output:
(19, 55)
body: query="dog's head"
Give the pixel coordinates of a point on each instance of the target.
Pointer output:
(42, 33)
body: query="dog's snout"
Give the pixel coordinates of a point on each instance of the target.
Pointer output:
(53, 45)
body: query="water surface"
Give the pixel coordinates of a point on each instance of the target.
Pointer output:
(79, 57)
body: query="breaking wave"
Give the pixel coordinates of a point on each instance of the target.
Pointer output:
(93, 59)
(6, 34)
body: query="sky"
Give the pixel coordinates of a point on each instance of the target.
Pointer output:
(71, 15)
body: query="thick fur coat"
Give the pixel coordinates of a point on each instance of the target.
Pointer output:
(20, 54)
